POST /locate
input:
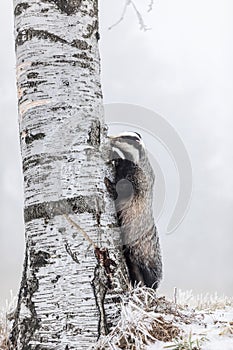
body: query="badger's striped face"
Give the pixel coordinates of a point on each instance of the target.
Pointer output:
(127, 145)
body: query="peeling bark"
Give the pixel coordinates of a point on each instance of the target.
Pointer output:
(70, 288)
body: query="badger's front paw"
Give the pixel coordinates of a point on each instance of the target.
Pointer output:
(111, 188)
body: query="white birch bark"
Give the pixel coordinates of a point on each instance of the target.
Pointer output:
(61, 129)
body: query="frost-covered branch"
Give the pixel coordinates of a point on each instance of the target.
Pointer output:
(140, 18)
(142, 24)
(151, 4)
(127, 3)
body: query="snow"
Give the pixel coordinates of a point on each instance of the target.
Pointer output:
(216, 331)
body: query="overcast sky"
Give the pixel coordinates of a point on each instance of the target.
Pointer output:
(182, 69)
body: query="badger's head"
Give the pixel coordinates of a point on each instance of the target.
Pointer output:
(134, 174)
(129, 146)
(128, 155)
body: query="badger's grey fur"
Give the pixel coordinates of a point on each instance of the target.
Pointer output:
(132, 191)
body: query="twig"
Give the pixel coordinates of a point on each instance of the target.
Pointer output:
(151, 4)
(139, 16)
(127, 3)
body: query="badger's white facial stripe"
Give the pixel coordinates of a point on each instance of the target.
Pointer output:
(127, 150)
(119, 152)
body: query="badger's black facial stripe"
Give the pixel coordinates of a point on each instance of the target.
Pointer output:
(138, 135)
(129, 137)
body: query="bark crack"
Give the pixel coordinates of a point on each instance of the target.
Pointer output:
(101, 283)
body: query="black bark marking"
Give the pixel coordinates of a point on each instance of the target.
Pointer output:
(44, 10)
(73, 63)
(32, 75)
(39, 63)
(26, 328)
(64, 206)
(63, 108)
(94, 12)
(29, 138)
(98, 217)
(65, 82)
(80, 44)
(39, 259)
(69, 7)
(94, 134)
(99, 95)
(62, 61)
(41, 159)
(73, 255)
(84, 59)
(32, 83)
(98, 214)
(20, 8)
(30, 33)
(97, 35)
(91, 28)
(83, 56)
(55, 280)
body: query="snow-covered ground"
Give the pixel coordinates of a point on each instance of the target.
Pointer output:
(215, 330)
(216, 333)
(188, 322)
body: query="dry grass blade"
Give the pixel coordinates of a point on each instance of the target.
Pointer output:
(6, 322)
(141, 323)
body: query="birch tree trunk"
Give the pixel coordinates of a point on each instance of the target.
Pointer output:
(68, 296)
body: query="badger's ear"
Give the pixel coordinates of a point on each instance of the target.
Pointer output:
(111, 188)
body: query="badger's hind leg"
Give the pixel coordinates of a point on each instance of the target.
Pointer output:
(140, 273)
(150, 277)
(135, 273)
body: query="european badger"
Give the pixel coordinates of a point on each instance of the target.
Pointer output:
(132, 191)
